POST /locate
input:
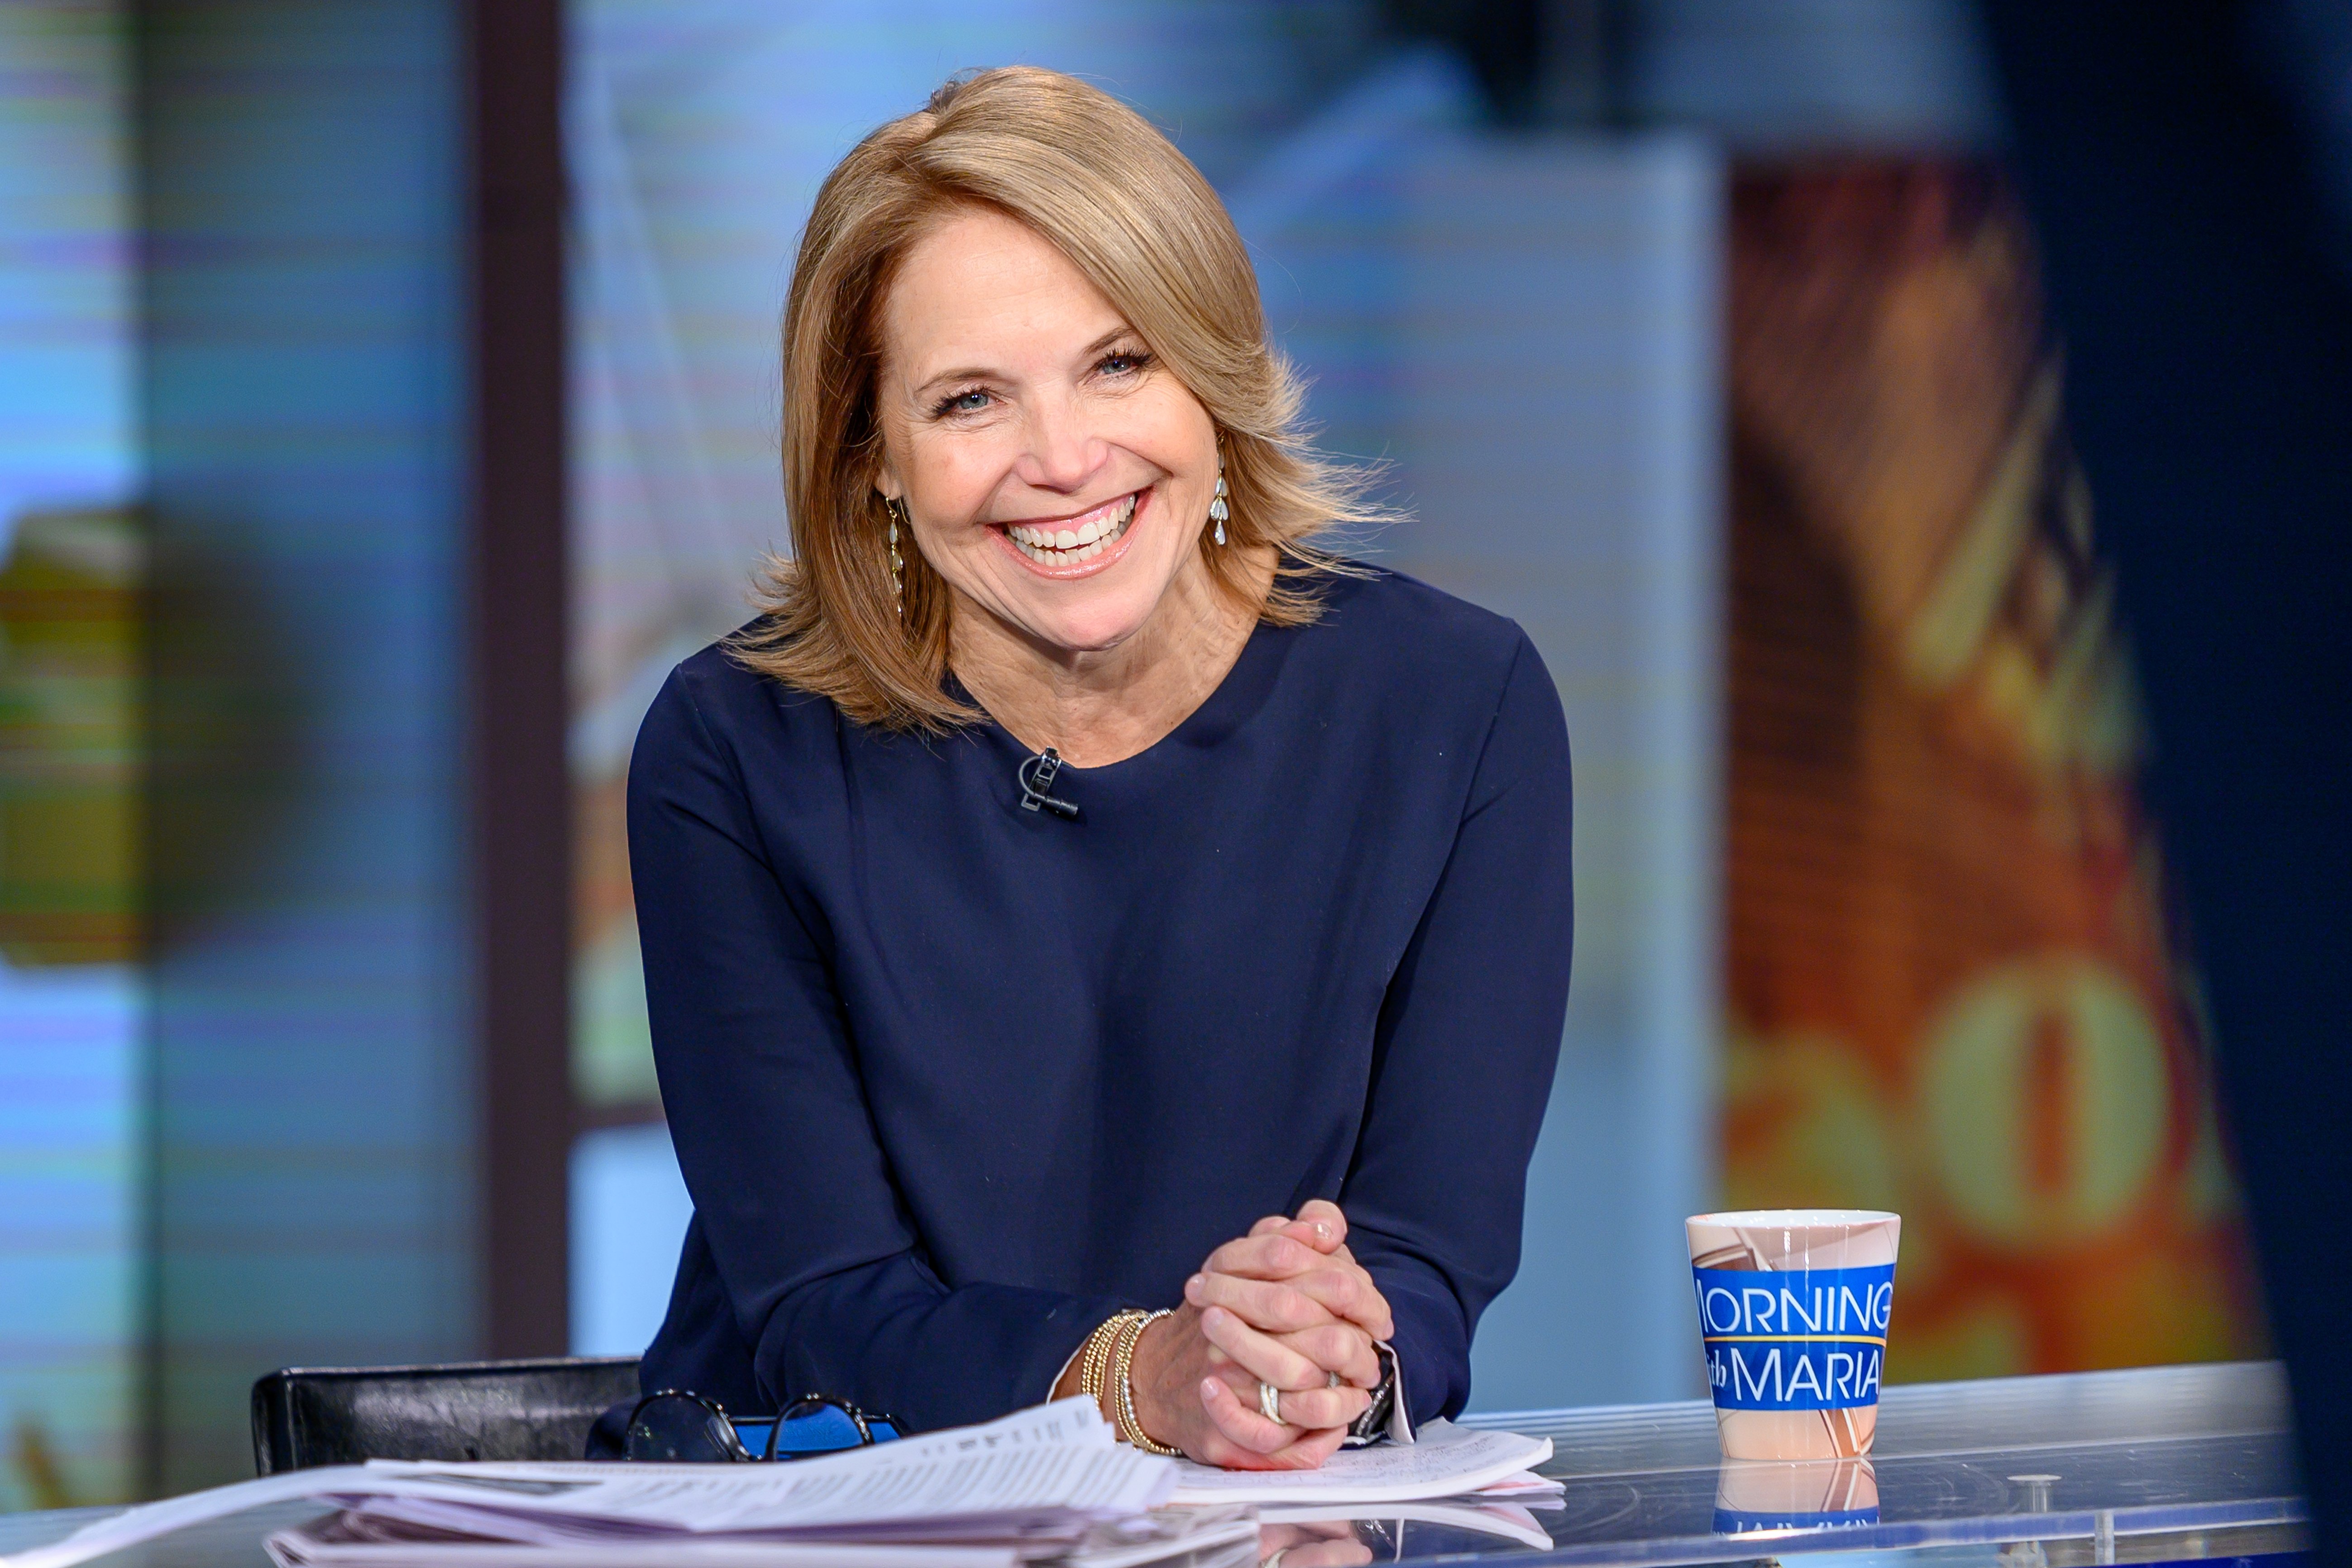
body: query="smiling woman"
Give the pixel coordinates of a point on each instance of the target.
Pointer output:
(1024, 259)
(1210, 1093)
(1058, 477)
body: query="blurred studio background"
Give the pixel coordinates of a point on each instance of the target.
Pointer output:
(368, 455)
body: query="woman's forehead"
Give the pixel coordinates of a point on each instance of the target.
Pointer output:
(984, 285)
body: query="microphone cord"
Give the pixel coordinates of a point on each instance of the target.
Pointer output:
(1036, 777)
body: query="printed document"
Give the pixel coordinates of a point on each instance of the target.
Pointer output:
(1442, 1460)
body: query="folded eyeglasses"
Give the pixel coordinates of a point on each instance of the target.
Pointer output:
(678, 1426)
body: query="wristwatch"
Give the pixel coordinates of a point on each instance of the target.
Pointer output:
(1372, 1426)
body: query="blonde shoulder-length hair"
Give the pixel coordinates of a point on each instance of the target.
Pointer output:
(1093, 178)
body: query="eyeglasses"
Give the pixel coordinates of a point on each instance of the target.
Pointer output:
(678, 1426)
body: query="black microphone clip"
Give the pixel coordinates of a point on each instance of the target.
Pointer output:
(1037, 776)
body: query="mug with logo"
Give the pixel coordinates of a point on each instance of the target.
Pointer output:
(1793, 1308)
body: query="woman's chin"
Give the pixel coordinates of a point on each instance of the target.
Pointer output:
(1091, 629)
(1089, 617)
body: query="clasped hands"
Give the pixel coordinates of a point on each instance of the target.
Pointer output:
(1286, 1305)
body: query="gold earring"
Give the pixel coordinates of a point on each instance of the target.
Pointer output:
(897, 509)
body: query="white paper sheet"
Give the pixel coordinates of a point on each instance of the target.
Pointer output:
(850, 1494)
(1052, 1470)
(1035, 1481)
(1444, 1460)
(299, 1549)
(401, 1533)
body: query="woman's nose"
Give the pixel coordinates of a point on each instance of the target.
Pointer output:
(1062, 454)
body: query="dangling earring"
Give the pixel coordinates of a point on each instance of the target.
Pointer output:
(1218, 511)
(897, 509)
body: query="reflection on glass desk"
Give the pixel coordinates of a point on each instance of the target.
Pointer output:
(2155, 1465)
(2167, 1464)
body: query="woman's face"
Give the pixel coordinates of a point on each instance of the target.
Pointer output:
(1056, 474)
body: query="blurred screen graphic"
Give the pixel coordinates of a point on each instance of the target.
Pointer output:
(1956, 987)
(71, 570)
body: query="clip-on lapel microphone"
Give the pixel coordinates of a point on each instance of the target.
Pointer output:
(1037, 776)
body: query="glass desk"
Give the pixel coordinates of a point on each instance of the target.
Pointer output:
(2167, 1464)
(2154, 1465)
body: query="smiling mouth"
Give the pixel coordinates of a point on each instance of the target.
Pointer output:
(1067, 542)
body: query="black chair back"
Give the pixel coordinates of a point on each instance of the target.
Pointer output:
(306, 1416)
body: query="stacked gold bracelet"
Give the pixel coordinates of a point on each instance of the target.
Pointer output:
(1123, 1385)
(1094, 1363)
(1106, 1371)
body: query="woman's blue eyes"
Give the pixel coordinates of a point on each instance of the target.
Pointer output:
(977, 399)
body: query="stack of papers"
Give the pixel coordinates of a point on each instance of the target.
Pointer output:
(1046, 1483)
(1442, 1460)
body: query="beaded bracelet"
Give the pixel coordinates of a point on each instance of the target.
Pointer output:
(1122, 1369)
(1094, 1365)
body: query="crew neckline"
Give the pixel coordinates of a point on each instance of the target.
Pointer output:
(1206, 712)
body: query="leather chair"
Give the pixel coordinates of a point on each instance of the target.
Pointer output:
(306, 1416)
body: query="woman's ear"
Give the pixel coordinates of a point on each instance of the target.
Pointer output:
(886, 481)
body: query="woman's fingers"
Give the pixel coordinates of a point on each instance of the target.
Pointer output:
(1263, 1304)
(1348, 1293)
(1242, 1425)
(1271, 1254)
(1341, 1348)
(1319, 1225)
(1259, 1355)
(1307, 1409)
(1192, 1393)
(1305, 1360)
(1351, 1294)
(1330, 1346)
(1324, 1219)
(1316, 1409)
(1339, 1284)
(1242, 1439)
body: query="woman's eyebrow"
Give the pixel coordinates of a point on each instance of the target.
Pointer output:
(978, 374)
(1108, 338)
(971, 374)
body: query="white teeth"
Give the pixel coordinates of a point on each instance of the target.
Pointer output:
(1064, 547)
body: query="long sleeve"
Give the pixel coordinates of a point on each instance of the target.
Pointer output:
(794, 1200)
(1466, 1044)
(950, 1081)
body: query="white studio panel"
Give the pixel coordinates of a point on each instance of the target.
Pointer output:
(1526, 330)
(1559, 437)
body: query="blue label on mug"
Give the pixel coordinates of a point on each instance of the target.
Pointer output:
(1801, 1339)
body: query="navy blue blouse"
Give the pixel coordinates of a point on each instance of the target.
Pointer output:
(951, 1081)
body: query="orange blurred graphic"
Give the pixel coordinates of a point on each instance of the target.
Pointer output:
(1953, 984)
